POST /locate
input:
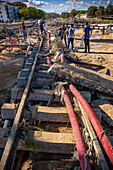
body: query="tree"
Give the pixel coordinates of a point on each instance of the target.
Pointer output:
(91, 11)
(31, 13)
(40, 13)
(109, 10)
(82, 12)
(65, 15)
(23, 13)
(73, 13)
(47, 16)
(100, 12)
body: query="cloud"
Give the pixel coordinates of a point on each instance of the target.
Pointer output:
(67, 6)
(61, 5)
(37, 4)
(102, 2)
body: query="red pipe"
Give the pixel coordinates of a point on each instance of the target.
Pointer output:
(62, 58)
(84, 162)
(48, 61)
(98, 128)
(48, 41)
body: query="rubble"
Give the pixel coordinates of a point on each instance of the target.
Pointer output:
(82, 76)
(57, 45)
(4, 31)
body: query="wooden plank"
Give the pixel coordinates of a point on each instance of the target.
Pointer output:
(42, 61)
(50, 114)
(96, 145)
(42, 95)
(61, 143)
(11, 145)
(58, 143)
(42, 67)
(55, 165)
(40, 82)
(42, 74)
(17, 93)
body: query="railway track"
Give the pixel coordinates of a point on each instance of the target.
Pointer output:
(55, 120)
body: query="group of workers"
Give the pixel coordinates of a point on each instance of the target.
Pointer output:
(70, 33)
(62, 32)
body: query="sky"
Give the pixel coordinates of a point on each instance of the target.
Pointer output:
(59, 6)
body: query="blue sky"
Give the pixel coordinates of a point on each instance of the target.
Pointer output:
(59, 6)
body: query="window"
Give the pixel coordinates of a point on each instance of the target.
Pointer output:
(0, 8)
(0, 12)
(1, 16)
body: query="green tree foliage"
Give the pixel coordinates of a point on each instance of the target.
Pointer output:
(23, 13)
(109, 10)
(31, 13)
(18, 3)
(47, 16)
(100, 12)
(82, 12)
(65, 15)
(40, 13)
(73, 13)
(91, 11)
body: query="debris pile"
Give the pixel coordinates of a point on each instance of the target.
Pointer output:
(83, 77)
(56, 50)
(4, 31)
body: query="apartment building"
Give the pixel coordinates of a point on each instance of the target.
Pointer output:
(8, 11)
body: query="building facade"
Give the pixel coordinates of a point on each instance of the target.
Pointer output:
(83, 15)
(8, 12)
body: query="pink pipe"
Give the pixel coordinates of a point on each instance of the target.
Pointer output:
(98, 128)
(48, 61)
(48, 41)
(84, 162)
(62, 59)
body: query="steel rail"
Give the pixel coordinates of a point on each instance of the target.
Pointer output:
(102, 162)
(9, 153)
